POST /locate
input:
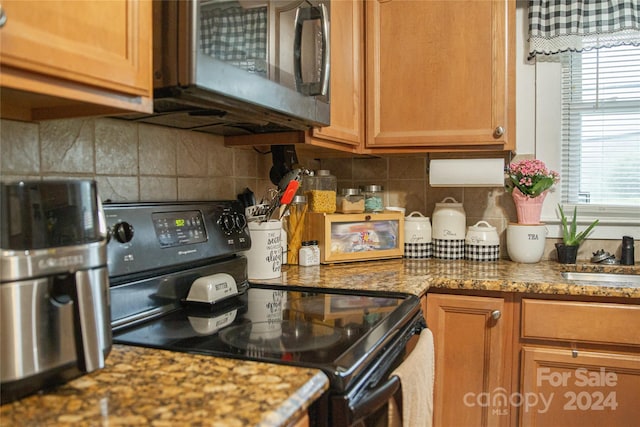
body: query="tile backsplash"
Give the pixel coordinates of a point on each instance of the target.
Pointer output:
(131, 161)
(141, 162)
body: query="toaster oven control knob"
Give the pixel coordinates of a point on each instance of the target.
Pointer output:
(123, 232)
(240, 221)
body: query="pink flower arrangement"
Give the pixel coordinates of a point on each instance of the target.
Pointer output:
(531, 177)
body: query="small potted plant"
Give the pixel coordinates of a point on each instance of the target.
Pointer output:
(571, 239)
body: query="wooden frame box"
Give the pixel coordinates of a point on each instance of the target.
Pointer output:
(356, 237)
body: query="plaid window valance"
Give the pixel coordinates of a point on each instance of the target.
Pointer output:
(576, 25)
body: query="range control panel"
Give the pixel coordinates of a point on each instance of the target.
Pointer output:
(151, 236)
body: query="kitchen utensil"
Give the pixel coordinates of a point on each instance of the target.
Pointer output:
(293, 175)
(54, 286)
(289, 192)
(247, 198)
(257, 212)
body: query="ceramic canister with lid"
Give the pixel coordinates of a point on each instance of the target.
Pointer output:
(448, 229)
(482, 242)
(417, 236)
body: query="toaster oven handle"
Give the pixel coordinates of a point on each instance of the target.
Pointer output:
(311, 14)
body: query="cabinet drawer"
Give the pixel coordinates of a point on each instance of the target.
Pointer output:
(581, 321)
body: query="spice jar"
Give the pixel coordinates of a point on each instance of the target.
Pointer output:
(373, 198)
(350, 201)
(309, 253)
(295, 227)
(320, 190)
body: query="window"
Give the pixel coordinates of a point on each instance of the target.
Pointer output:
(600, 163)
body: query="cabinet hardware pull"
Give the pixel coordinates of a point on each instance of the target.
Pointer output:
(3, 17)
(498, 132)
(574, 353)
(495, 314)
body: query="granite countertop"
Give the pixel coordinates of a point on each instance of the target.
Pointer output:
(418, 276)
(141, 386)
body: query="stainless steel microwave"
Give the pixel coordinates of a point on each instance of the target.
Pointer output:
(237, 67)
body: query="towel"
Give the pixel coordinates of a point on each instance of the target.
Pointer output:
(416, 374)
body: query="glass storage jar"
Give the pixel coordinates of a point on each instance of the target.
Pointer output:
(309, 253)
(295, 227)
(373, 198)
(320, 190)
(350, 201)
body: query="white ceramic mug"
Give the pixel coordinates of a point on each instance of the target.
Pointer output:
(525, 243)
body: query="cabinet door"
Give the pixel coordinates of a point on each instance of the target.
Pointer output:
(347, 76)
(565, 387)
(440, 74)
(471, 346)
(97, 52)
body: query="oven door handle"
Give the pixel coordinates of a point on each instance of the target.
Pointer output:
(375, 398)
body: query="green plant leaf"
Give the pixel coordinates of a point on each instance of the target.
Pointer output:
(569, 235)
(574, 224)
(583, 235)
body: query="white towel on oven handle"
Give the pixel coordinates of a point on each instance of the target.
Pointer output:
(417, 374)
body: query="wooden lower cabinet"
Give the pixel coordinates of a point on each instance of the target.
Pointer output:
(579, 363)
(472, 337)
(571, 387)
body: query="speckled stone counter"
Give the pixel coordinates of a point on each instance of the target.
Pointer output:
(418, 276)
(147, 387)
(159, 388)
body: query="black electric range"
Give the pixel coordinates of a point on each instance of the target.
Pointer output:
(159, 251)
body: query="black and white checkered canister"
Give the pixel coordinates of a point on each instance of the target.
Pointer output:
(482, 242)
(448, 249)
(482, 252)
(418, 250)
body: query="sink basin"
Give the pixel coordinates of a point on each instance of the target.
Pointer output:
(609, 278)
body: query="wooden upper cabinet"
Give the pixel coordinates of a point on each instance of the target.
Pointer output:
(440, 74)
(61, 58)
(347, 78)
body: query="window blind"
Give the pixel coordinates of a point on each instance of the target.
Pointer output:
(601, 127)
